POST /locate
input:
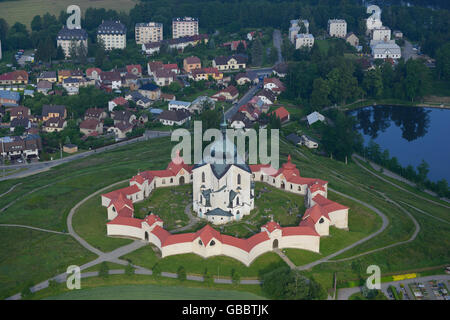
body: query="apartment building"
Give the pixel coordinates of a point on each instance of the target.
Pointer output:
(183, 27)
(337, 28)
(66, 37)
(148, 32)
(113, 34)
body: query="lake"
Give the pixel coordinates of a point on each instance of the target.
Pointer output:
(410, 134)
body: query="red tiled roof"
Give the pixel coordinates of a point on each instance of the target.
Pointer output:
(133, 66)
(299, 231)
(161, 234)
(126, 221)
(207, 233)
(90, 70)
(315, 213)
(152, 218)
(281, 113)
(271, 226)
(176, 238)
(328, 205)
(120, 101)
(126, 191)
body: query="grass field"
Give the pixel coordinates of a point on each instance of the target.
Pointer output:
(23, 11)
(44, 200)
(154, 292)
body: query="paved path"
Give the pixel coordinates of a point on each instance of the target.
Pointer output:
(34, 228)
(426, 213)
(345, 293)
(285, 258)
(192, 219)
(10, 189)
(36, 167)
(384, 225)
(355, 157)
(277, 40)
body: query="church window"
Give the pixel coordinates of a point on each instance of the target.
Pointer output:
(171, 180)
(203, 177)
(291, 186)
(299, 188)
(237, 201)
(114, 209)
(238, 179)
(200, 242)
(163, 181)
(321, 220)
(212, 243)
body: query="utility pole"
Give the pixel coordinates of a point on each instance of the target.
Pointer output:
(60, 149)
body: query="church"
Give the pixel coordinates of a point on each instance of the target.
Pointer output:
(223, 191)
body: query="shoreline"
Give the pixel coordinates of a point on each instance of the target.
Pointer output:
(395, 104)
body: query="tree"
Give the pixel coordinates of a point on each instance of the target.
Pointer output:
(59, 53)
(320, 93)
(257, 53)
(73, 51)
(82, 53)
(208, 278)
(36, 23)
(156, 270)
(442, 62)
(129, 269)
(181, 272)
(422, 171)
(286, 284)
(235, 277)
(26, 292)
(416, 80)
(240, 48)
(442, 188)
(373, 83)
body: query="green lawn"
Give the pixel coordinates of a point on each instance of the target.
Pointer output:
(154, 292)
(24, 10)
(28, 257)
(169, 203)
(219, 266)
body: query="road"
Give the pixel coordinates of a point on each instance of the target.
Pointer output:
(36, 167)
(246, 98)
(277, 40)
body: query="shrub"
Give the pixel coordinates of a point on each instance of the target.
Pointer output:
(181, 272)
(156, 270)
(104, 270)
(129, 269)
(235, 277)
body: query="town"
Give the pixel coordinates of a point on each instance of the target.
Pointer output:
(91, 100)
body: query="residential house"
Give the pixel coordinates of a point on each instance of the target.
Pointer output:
(111, 79)
(309, 142)
(185, 26)
(234, 62)
(135, 69)
(121, 129)
(337, 28)
(282, 114)
(201, 103)
(63, 74)
(173, 67)
(72, 85)
(70, 148)
(250, 111)
(19, 112)
(230, 93)
(205, 73)
(20, 147)
(274, 85)
(280, 69)
(179, 105)
(14, 77)
(295, 139)
(20, 122)
(9, 98)
(267, 96)
(304, 40)
(49, 76)
(88, 126)
(130, 80)
(151, 91)
(167, 97)
(44, 87)
(123, 116)
(163, 77)
(54, 125)
(152, 66)
(352, 39)
(233, 45)
(93, 73)
(174, 117)
(53, 111)
(397, 34)
(95, 113)
(150, 48)
(240, 121)
(246, 77)
(139, 99)
(314, 117)
(191, 63)
(118, 101)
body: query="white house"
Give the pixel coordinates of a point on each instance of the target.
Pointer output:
(179, 105)
(314, 117)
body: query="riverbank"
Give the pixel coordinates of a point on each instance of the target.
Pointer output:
(396, 103)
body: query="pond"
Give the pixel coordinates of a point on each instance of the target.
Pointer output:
(410, 134)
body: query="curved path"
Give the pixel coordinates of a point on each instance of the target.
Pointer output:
(10, 189)
(34, 228)
(385, 223)
(355, 157)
